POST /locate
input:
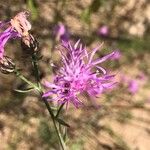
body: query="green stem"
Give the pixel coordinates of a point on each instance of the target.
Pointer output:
(36, 72)
(62, 143)
(18, 74)
(60, 108)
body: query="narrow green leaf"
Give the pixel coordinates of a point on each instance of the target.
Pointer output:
(24, 91)
(62, 122)
(65, 134)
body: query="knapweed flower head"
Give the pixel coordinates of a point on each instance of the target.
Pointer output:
(60, 32)
(7, 65)
(133, 86)
(17, 27)
(103, 30)
(29, 44)
(142, 76)
(79, 74)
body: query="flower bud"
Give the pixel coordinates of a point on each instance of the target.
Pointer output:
(6, 65)
(29, 44)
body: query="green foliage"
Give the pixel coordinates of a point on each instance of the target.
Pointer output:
(32, 7)
(94, 7)
(85, 16)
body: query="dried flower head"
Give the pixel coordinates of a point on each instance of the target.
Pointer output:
(21, 24)
(29, 44)
(6, 65)
(78, 75)
(17, 27)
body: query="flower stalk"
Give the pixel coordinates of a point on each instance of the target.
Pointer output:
(37, 75)
(18, 74)
(36, 70)
(62, 143)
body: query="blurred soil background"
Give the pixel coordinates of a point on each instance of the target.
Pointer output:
(122, 121)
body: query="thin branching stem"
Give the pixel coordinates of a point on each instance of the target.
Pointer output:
(18, 74)
(36, 70)
(62, 143)
(37, 75)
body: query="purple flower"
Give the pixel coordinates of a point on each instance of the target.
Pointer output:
(16, 27)
(60, 32)
(103, 31)
(4, 37)
(133, 86)
(79, 74)
(117, 55)
(142, 77)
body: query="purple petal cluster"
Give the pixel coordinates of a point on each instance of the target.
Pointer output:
(15, 28)
(60, 32)
(133, 86)
(79, 74)
(103, 30)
